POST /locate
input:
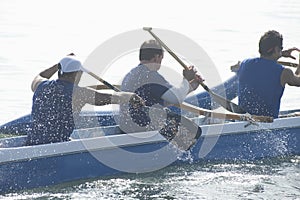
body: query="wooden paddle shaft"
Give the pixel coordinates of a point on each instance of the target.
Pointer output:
(102, 87)
(102, 81)
(228, 116)
(289, 64)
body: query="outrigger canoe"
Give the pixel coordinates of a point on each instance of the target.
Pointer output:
(99, 152)
(95, 152)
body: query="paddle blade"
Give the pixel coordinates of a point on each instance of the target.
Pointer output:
(180, 131)
(177, 129)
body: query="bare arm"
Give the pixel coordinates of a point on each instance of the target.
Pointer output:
(44, 75)
(96, 98)
(288, 77)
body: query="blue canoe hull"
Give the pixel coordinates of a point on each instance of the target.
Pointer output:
(80, 159)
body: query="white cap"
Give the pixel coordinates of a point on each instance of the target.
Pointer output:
(70, 64)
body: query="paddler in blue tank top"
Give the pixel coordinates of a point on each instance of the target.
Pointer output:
(57, 103)
(262, 80)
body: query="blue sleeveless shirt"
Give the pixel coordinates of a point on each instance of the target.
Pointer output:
(52, 113)
(260, 90)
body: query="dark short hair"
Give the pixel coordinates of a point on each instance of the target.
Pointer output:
(149, 49)
(269, 41)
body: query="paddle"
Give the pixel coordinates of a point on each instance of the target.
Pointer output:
(208, 113)
(101, 87)
(102, 81)
(228, 105)
(186, 133)
(289, 64)
(228, 116)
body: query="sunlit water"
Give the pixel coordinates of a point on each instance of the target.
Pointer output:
(266, 179)
(36, 34)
